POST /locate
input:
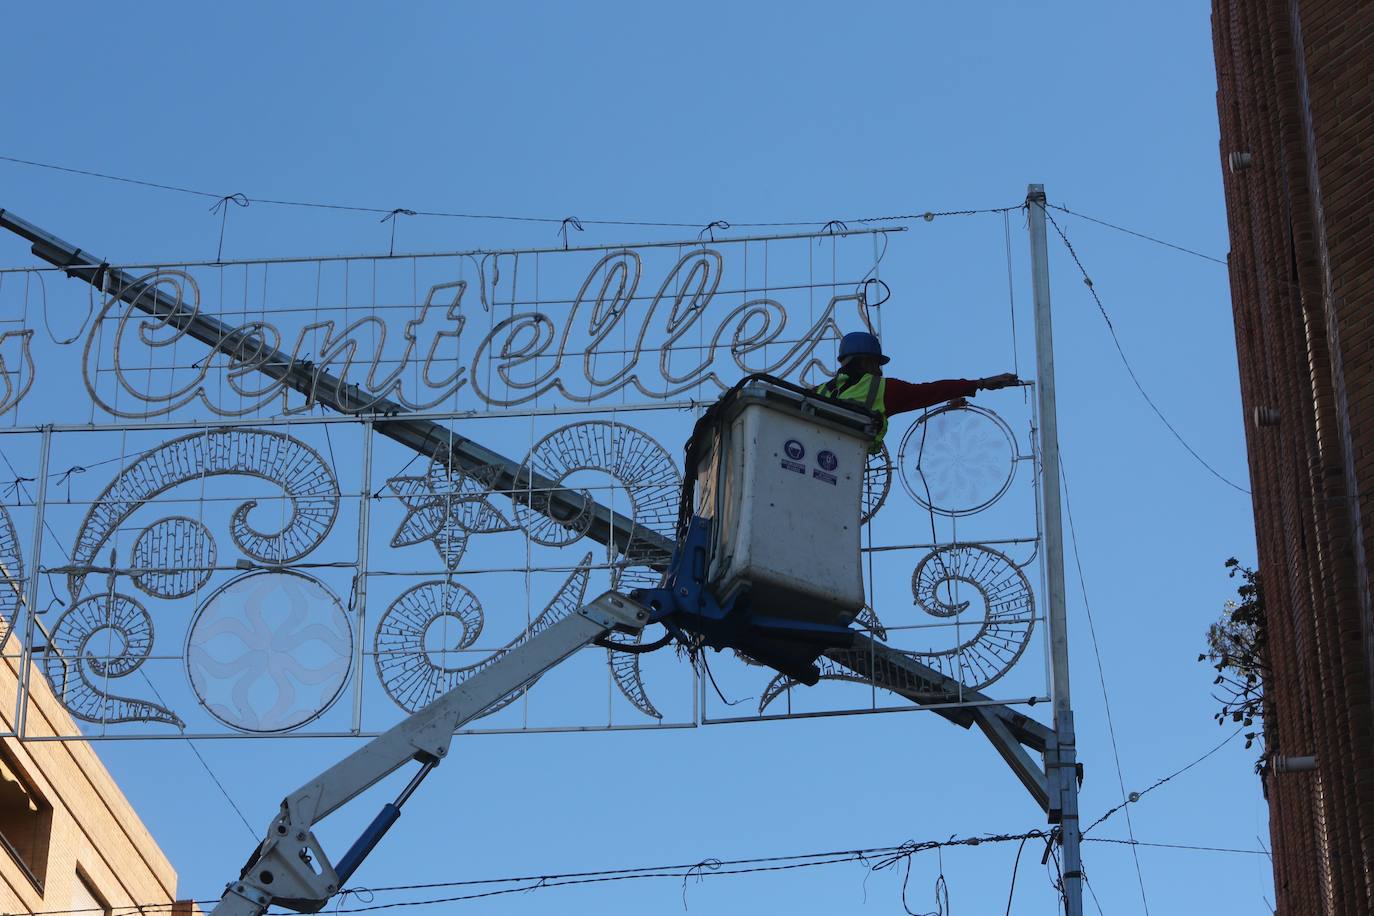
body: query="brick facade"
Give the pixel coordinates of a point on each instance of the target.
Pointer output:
(95, 846)
(1296, 106)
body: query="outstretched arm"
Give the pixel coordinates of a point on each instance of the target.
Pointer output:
(901, 397)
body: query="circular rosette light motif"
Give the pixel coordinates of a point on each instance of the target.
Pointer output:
(269, 651)
(986, 609)
(174, 557)
(957, 460)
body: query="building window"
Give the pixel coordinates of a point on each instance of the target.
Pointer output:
(25, 821)
(86, 900)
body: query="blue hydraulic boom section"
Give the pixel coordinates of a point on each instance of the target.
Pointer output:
(687, 607)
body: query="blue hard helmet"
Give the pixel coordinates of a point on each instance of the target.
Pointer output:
(861, 343)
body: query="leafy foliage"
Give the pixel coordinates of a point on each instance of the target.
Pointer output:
(1238, 648)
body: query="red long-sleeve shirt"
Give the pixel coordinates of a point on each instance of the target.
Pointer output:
(901, 397)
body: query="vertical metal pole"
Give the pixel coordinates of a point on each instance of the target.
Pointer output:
(360, 576)
(1061, 765)
(40, 505)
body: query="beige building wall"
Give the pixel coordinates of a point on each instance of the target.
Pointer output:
(97, 848)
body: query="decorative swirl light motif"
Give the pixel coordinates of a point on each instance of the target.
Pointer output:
(16, 367)
(643, 469)
(877, 482)
(11, 573)
(269, 651)
(174, 556)
(98, 640)
(829, 670)
(298, 469)
(415, 672)
(652, 484)
(957, 460)
(952, 581)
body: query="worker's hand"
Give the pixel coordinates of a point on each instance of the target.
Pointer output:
(993, 382)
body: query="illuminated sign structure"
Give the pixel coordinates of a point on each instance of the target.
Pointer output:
(225, 534)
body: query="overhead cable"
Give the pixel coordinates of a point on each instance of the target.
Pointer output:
(1111, 329)
(1140, 235)
(874, 858)
(562, 222)
(1137, 796)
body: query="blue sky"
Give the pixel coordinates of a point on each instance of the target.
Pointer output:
(744, 113)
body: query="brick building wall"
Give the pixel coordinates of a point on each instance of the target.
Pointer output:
(1296, 106)
(84, 845)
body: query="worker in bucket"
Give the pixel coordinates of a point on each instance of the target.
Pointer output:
(860, 379)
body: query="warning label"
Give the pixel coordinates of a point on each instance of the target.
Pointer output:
(794, 466)
(822, 475)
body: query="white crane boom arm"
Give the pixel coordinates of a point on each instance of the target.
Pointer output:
(289, 869)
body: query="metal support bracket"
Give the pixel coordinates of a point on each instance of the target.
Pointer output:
(1009, 731)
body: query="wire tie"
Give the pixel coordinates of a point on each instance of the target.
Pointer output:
(399, 211)
(697, 871)
(829, 228)
(223, 203)
(222, 208)
(718, 224)
(563, 229)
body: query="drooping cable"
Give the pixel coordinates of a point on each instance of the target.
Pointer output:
(1140, 235)
(562, 222)
(1130, 370)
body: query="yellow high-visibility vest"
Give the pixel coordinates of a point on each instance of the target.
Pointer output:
(861, 390)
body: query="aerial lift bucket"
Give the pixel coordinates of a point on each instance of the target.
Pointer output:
(768, 558)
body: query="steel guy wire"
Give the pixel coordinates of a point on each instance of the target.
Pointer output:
(1140, 235)
(1185, 846)
(1137, 796)
(1130, 370)
(1101, 675)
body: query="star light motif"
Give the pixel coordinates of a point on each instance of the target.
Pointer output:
(445, 506)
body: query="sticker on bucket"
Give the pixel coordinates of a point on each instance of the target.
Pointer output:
(827, 460)
(822, 475)
(794, 449)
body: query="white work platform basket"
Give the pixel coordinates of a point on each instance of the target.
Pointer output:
(779, 471)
